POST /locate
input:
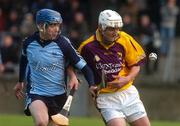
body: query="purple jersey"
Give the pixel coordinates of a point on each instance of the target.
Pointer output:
(114, 59)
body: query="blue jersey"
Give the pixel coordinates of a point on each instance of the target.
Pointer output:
(45, 64)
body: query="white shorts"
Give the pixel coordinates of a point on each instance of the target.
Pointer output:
(125, 104)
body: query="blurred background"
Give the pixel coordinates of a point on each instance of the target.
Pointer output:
(155, 24)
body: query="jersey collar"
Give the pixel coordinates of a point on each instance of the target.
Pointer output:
(99, 39)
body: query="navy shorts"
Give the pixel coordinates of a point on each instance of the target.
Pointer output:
(53, 103)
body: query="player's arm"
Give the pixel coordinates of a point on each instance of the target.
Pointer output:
(134, 58)
(120, 81)
(18, 88)
(77, 61)
(85, 69)
(20, 84)
(73, 81)
(86, 54)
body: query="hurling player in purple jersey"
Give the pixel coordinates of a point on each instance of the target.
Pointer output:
(115, 58)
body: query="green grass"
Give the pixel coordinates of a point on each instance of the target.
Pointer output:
(19, 120)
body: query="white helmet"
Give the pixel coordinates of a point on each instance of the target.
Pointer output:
(109, 18)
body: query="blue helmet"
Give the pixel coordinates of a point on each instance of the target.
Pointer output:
(48, 16)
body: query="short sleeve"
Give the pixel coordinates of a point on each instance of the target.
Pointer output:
(135, 54)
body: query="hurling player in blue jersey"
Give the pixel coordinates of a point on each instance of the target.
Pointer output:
(44, 60)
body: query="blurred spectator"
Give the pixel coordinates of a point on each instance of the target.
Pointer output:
(131, 7)
(147, 38)
(2, 20)
(153, 8)
(78, 29)
(9, 53)
(169, 14)
(13, 21)
(128, 25)
(113, 4)
(28, 25)
(72, 6)
(40, 4)
(1, 65)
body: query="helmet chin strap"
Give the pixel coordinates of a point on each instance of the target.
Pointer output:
(42, 29)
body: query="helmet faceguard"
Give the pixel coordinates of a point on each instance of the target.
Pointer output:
(109, 18)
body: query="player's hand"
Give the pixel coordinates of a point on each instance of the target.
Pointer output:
(93, 90)
(18, 89)
(73, 83)
(2, 68)
(119, 81)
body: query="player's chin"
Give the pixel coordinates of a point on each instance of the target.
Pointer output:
(110, 40)
(54, 36)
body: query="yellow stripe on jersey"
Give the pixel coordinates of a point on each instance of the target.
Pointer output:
(90, 39)
(134, 52)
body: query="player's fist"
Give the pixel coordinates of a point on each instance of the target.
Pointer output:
(93, 90)
(18, 89)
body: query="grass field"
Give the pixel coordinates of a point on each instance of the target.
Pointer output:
(19, 120)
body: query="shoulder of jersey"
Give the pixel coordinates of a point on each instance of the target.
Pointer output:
(124, 37)
(63, 38)
(28, 39)
(87, 41)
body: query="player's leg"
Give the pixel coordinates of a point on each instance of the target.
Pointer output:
(55, 105)
(117, 122)
(112, 117)
(51, 123)
(109, 105)
(134, 111)
(144, 121)
(39, 113)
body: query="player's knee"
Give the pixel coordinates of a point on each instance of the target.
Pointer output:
(42, 123)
